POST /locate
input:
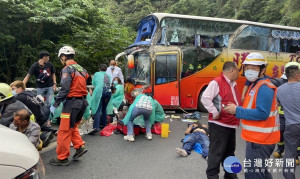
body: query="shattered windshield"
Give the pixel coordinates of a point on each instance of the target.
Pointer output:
(199, 33)
(140, 74)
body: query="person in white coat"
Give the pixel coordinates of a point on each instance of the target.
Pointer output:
(114, 71)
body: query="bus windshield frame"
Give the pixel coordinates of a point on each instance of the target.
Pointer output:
(140, 74)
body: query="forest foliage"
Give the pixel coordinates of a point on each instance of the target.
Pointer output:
(100, 29)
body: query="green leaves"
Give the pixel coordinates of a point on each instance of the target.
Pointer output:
(30, 26)
(267, 11)
(100, 29)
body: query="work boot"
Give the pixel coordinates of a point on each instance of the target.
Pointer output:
(79, 152)
(181, 152)
(129, 138)
(149, 136)
(278, 153)
(57, 162)
(297, 161)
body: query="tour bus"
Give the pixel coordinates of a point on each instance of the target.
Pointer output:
(174, 57)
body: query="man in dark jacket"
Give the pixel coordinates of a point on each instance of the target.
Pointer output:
(32, 101)
(8, 105)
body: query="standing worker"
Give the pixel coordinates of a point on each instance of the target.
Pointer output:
(280, 145)
(288, 96)
(222, 125)
(259, 117)
(73, 91)
(44, 73)
(114, 71)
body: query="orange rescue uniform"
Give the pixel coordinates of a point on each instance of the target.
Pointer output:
(73, 92)
(264, 131)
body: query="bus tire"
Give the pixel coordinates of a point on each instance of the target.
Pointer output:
(200, 106)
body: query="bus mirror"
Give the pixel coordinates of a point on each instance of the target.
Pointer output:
(130, 63)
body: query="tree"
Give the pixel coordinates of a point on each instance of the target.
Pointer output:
(273, 11)
(162, 5)
(195, 7)
(132, 11)
(229, 9)
(251, 10)
(34, 25)
(291, 13)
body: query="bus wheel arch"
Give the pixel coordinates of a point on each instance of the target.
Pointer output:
(200, 106)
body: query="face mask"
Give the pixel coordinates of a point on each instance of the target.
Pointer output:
(14, 92)
(112, 67)
(115, 82)
(251, 75)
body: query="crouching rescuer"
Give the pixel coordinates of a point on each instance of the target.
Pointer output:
(73, 92)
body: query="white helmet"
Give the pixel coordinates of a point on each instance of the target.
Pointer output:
(67, 50)
(255, 59)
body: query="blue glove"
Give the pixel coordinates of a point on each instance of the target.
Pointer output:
(52, 109)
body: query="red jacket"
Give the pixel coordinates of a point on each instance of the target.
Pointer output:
(224, 97)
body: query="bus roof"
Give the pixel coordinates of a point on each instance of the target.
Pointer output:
(160, 16)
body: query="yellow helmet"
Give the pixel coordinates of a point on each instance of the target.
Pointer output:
(5, 92)
(255, 59)
(291, 64)
(191, 67)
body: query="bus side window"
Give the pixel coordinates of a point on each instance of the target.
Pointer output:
(289, 46)
(285, 41)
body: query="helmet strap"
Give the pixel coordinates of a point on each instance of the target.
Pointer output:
(260, 70)
(63, 62)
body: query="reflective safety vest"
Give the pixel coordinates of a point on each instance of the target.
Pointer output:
(280, 109)
(262, 131)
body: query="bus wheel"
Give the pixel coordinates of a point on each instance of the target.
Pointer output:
(200, 106)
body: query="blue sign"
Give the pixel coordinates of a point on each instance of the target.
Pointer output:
(232, 164)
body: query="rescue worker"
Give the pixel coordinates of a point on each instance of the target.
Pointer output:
(259, 117)
(8, 105)
(73, 91)
(288, 96)
(280, 145)
(189, 71)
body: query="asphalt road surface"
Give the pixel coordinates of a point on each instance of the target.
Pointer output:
(114, 158)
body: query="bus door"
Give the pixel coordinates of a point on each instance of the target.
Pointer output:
(166, 78)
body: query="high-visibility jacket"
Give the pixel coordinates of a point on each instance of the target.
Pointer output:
(263, 131)
(73, 82)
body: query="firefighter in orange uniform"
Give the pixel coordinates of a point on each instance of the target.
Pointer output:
(259, 118)
(73, 95)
